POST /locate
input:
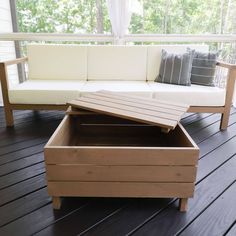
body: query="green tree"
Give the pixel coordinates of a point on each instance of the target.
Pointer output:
(64, 16)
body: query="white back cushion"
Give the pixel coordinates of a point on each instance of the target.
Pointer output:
(154, 56)
(48, 61)
(117, 63)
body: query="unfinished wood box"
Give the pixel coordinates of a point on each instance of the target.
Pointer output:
(101, 149)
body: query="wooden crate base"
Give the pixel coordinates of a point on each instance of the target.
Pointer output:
(113, 157)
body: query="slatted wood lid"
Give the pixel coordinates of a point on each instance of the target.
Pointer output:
(145, 110)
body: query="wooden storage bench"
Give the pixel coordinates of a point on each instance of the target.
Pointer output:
(92, 154)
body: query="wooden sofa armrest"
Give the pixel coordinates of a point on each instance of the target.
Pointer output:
(231, 72)
(230, 84)
(226, 65)
(15, 61)
(3, 69)
(5, 87)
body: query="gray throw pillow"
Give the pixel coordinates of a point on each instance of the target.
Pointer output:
(175, 68)
(203, 68)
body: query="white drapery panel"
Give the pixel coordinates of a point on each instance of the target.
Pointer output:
(120, 12)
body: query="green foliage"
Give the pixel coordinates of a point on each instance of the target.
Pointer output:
(159, 16)
(185, 17)
(61, 16)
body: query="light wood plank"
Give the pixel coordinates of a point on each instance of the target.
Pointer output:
(226, 65)
(124, 107)
(121, 155)
(117, 189)
(229, 98)
(124, 114)
(38, 107)
(117, 100)
(62, 134)
(206, 109)
(185, 174)
(15, 61)
(143, 99)
(5, 87)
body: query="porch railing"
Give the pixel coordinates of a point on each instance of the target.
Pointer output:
(110, 38)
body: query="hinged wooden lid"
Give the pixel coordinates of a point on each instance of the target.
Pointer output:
(145, 110)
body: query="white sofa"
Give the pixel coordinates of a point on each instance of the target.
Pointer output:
(59, 73)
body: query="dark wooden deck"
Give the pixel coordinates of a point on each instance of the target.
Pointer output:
(26, 208)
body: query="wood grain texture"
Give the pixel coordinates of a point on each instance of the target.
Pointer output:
(206, 109)
(134, 108)
(124, 114)
(223, 209)
(121, 173)
(118, 189)
(38, 107)
(131, 107)
(118, 156)
(6, 102)
(130, 102)
(232, 231)
(229, 97)
(153, 102)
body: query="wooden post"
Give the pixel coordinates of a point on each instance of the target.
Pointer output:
(6, 103)
(228, 99)
(56, 202)
(183, 204)
(20, 67)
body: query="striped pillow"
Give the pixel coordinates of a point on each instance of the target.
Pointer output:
(203, 68)
(175, 68)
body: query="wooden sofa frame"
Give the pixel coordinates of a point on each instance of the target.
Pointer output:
(8, 107)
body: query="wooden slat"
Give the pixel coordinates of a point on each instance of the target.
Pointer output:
(117, 189)
(124, 114)
(61, 134)
(206, 109)
(123, 106)
(121, 155)
(15, 61)
(134, 99)
(145, 110)
(86, 173)
(174, 105)
(226, 65)
(38, 107)
(118, 100)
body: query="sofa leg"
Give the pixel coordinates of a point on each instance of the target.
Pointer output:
(9, 117)
(224, 120)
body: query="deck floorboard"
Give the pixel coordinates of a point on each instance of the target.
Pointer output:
(26, 208)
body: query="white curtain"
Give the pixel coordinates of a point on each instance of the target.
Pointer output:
(120, 12)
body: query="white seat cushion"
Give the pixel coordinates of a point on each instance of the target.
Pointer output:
(45, 91)
(49, 61)
(194, 95)
(139, 88)
(117, 63)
